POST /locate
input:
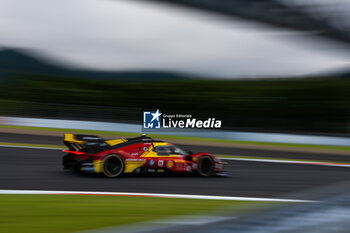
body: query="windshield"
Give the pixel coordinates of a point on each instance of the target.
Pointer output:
(167, 150)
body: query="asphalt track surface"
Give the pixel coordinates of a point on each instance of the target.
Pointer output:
(40, 169)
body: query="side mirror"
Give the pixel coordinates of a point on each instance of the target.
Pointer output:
(189, 152)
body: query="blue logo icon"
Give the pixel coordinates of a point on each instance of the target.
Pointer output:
(151, 163)
(151, 120)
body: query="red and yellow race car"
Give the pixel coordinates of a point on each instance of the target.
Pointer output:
(134, 155)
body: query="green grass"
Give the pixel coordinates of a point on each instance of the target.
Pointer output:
(173, 137)
(69, 213)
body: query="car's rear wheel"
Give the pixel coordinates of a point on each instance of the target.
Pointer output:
(205, 166)
(113, 165)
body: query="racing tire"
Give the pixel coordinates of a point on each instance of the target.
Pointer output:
(205, 166)
(113, 165)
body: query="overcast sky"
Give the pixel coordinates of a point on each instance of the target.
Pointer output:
(128, 35)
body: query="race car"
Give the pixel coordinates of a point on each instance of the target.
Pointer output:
(142, 154)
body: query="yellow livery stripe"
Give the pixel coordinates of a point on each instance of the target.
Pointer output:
(98, 166)
(130, 166)
(71, 138)
(115, 142)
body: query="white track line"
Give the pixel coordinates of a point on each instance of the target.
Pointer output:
(184, 196)
(223, 158)
(289, 161)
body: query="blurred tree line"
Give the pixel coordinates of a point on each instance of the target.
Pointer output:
(294, 105)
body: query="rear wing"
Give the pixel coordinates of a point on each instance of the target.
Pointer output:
(85, 143)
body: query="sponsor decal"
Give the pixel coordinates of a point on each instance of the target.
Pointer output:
(88, 164)
(137, 170)
(180, 161)
(135, 160)
(160, 163)
(157, 120)
(151, 163)
(87, 169)
(145, 148)
(179, 166)
(170, 164)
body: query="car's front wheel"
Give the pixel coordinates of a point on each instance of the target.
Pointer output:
(205, 166)
(113, 165)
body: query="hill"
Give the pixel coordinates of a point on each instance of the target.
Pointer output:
(15, 63)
